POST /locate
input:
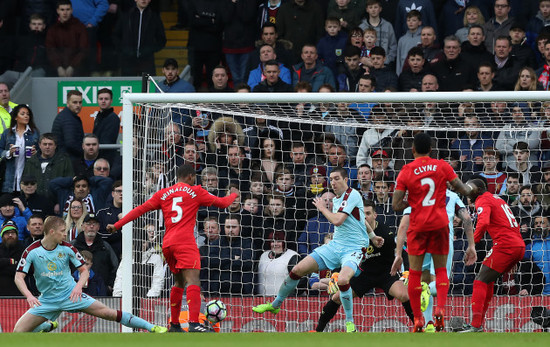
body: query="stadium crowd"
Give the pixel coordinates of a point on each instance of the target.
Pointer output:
(276, 167)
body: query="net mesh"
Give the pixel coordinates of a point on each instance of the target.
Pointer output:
(278, 157)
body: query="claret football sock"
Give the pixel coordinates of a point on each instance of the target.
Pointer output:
(414, 289)
(478, 302)
(194, 302)
(176, 294)
(442, 286)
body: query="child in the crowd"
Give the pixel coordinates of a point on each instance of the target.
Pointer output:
(330, 47)
(409, 40)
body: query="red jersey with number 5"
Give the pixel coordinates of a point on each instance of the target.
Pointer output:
(179, 204)
(426, 181)
(495, 216)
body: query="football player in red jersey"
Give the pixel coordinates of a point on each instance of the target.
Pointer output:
(425, 180)
(495, 217)
(179, 204)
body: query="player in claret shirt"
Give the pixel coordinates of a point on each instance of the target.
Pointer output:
(495, 217)
(425, 180)
(179, 204)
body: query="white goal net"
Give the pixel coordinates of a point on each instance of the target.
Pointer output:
(277, 151)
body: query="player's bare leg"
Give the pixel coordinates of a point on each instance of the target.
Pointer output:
(442, 288)
(98, 309)
(193, 296)
(303, 268)
(28, 322)
(481, 297)
(176, 295)
(415, 289)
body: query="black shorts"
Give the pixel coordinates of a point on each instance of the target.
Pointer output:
(365, 282)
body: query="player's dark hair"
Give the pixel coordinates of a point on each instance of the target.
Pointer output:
(369, 203)
(343, 172)
(185, 170)
(422, 143)
(480, 182)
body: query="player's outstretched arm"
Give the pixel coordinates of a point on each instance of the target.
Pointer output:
(225, 201)
(461, 187)
(398, 202)
(400, 243)
(22, 286)
(470, 255)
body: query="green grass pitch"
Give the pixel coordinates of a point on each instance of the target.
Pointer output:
(276, 339)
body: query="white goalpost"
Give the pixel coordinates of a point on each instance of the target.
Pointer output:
(331, 129)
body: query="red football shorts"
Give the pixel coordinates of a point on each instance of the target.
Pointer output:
(182, 256)
(432, 241)
(503, 259)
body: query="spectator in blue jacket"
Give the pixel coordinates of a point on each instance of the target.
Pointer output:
(539, 249)
(67, 126)
(90, 13)
(312, 71)
(267, 53)
(13, 209)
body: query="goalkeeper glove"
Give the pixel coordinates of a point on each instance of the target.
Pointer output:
(333, 284)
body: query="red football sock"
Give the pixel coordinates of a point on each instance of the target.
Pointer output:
(194, 302)
(488, 298)
(441, 286)
(415, 289)
(176, 294)
(478, 302)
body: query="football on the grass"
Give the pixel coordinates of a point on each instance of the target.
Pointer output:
(215, 311)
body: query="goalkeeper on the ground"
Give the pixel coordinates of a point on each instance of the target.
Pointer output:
(375, 274)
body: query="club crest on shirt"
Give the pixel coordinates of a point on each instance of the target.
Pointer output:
(52, 266)
(60, 255)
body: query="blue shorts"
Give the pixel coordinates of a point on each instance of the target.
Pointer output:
(52, 309)
(429, 265)
(332, 256)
